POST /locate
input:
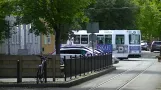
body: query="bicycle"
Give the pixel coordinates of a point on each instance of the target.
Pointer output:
(40, 77)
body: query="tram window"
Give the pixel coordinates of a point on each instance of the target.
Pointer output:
(77, 39)
(100, 39)
(120, 39)
(134, 39)
(108, 39)
(84, 39)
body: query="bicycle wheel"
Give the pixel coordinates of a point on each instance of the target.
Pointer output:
(42, 80)
(38, 76)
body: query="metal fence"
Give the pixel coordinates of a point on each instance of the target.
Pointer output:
(86, 64)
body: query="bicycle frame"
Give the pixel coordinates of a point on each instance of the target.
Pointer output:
(40, 72)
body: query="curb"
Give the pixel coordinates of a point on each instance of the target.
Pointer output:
(65, 84)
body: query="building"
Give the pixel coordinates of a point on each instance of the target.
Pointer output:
(26, 43)
(48, 43)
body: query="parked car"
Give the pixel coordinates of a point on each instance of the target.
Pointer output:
(76, 51)
(144, 45)
(155, 46)
(78, 46)
(99, 50)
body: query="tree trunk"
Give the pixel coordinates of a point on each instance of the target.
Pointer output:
(57, 42)
(160, 35)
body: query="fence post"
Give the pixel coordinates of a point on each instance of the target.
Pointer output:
(97, 62)
(70, 67)
(19, 75)
(88, 60)
(103, 60)
(160, 51)
(110, 55)
(75, 66)
(100, 61)
(91, 62)
(54, 67)
(45, 71)
(106, 61)
(109, 60)
(80, 65)
(84, 65)
(94, 63)
(65, 72)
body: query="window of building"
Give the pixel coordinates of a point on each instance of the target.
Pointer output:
(36, 39)
(18, 35)
(48, 39)
(16, 38)
(13, 39)
(45, 39)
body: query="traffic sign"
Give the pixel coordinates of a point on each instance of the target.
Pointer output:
(93, 27)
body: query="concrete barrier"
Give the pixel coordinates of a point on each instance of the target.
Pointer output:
(28, 66)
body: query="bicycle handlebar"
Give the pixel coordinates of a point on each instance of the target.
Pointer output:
(43, 57)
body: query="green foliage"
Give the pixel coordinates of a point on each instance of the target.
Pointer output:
(46, 15)
(6, 8)
(51, 16)
(149, 18)
(113, 14)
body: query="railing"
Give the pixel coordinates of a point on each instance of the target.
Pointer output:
(83, 65)
(26, 66)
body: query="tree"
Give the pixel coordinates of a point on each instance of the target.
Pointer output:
(113, 14)
(4, 26)
(149, 18)
(50, 16)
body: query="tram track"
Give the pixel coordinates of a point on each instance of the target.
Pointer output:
(121, 74)
(135, 77)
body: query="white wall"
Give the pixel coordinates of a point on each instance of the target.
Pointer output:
(18, 41)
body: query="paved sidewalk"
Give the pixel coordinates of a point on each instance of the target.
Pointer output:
(31, 82)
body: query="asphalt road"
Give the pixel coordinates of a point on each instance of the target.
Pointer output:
(133, 74)
(148, 54)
